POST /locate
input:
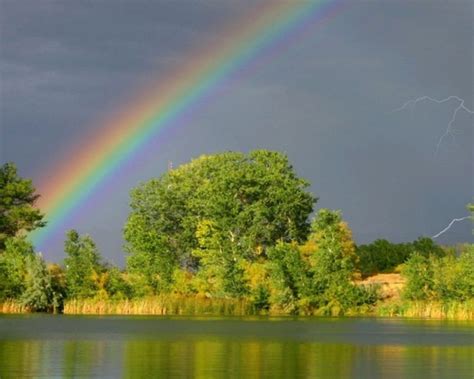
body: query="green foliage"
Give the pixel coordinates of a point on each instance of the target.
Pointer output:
(330, 252)
(334, 258)
(17, 198)
(185, 284)
(225, 233)
(419, 275)
(139, 285)
(440, 278)
(117, 286)
(427, 247)
(82, 266)
(384, 256)
(257, 276)
(261, 299)
(290, 278)
(38, 294)
(25, 277)
(381, 256)
(13, 262)
(220, 261)
(465, 279)
(211, 214)
(58, 287)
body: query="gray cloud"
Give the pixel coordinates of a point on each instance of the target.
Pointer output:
(325, 100)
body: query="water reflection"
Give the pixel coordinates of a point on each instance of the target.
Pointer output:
(215, 359)
(236, 354)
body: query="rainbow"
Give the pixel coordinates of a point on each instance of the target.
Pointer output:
(67, 186)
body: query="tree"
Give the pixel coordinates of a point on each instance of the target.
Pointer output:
(13, 261)
(290, 277)
(330, 252)
(440, 278)
(116, 285)
(334, 250)
(418, 272)
(38, 294)
(220, 272)
(384, 256)
(58, 286)
(83, 265)
(17, 199)
(242, 205)
(465, 278)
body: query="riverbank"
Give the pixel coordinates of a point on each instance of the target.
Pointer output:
(391, 304)
(451, 310)
(229, 307)
(168, 306)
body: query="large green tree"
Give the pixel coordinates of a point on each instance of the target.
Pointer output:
(17, 199)
(229, 205)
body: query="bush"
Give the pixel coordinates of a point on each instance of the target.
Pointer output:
(419, 275)
(116, 285)
(466, 273)
(440, 278)
(384, 256)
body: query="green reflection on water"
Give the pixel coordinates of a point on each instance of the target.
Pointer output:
(255, 359)
(185, 353)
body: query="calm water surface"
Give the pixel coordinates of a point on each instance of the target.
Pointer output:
(156, 347)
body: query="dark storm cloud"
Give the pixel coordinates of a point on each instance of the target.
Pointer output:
(67, 62)
(326, 100)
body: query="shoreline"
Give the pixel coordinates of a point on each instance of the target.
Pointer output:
(157, 306)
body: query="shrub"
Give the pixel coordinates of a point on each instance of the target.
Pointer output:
(384, 256)
(440, 278)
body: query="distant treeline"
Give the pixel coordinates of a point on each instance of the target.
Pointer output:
(227, 233)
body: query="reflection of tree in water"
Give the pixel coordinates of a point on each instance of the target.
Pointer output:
(80, 357)
(438, 362)
(237, 358)
(229, 357)
(20, 359)
(51, 358)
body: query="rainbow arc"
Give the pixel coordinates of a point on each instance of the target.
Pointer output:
(69, 184)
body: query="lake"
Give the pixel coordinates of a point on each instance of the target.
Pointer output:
(178, 347)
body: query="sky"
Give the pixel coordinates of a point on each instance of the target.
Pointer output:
(326, 99)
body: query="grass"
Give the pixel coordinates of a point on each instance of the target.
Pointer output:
(195, 306)
(12, 306)
(449, 310)
(160, 305)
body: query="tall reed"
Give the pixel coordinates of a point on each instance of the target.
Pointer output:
(160, 305)
(12, 306)
(449, 310)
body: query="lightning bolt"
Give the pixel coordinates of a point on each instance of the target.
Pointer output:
(449, 128)
(448, 132)
(451, 224)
